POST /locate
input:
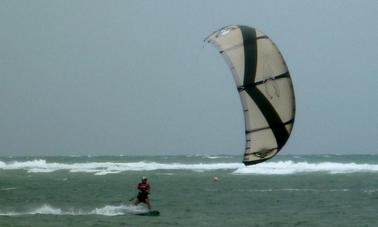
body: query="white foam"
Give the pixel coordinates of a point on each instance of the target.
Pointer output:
(7, 189)
(107, 210)
(103, 168)
(295, 190)
(118, 210)
(44, 209)
(266, 168)
(217, 156)
(290, 167)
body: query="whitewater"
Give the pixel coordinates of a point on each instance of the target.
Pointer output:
(108, 210)
(268, 168)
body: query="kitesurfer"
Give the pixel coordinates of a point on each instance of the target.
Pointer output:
(144, 190)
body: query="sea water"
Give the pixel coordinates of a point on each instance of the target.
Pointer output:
(196, 190)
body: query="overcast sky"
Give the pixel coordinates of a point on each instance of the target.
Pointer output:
(134, 77)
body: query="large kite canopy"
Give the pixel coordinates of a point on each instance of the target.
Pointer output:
(265, 88)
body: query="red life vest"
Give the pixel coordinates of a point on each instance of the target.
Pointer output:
(144, 187)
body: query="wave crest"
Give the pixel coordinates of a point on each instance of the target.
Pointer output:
(103, 168)
(266, 168)
(107, 210)
(290, 167)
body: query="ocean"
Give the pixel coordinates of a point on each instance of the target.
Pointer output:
(195, 190)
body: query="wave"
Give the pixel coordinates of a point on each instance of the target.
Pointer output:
(7, 189)
(290, 167)
(266, 168)
(295, 190)
(103, 168)
(107, 210)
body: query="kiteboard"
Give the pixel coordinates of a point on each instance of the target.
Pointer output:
(149, 213)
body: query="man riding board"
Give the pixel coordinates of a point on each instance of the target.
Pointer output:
(144, 189)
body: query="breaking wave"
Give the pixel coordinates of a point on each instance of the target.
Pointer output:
(290, 167)
(103, 168)
(267, 168)
(107, 210)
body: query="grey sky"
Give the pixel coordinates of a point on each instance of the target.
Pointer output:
(134, 77)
